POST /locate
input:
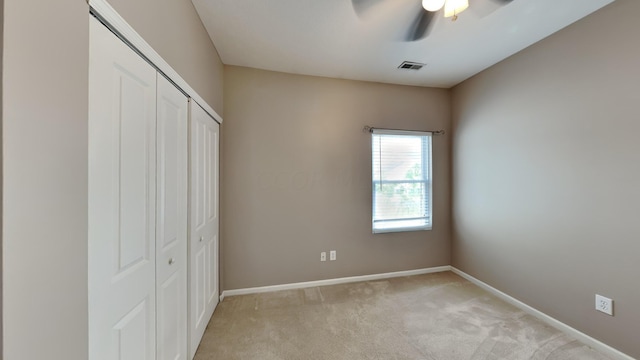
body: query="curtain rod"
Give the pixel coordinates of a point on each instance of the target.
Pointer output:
(370, 129)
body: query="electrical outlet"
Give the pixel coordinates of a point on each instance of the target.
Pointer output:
(323, 256)
(332, 255)
(604, 304)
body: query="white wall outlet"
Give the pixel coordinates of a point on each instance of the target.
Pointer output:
(332, 255)
(604, 304)
(323, 256)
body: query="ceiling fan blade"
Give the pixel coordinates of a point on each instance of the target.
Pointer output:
(421, 25)
(363, 7)
(487, 7)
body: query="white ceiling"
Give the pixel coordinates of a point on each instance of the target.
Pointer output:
(327, 38)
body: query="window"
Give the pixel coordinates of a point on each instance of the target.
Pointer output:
(401, 179)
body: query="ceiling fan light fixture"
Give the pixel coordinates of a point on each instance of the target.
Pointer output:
(455, 7)
(432, 5)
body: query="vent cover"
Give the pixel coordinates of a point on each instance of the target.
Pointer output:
(410, 65)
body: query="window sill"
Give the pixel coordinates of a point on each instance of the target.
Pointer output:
(402, 229)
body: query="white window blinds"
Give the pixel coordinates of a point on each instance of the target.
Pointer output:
(401, 180)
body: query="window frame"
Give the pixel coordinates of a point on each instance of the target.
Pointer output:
(427, 180)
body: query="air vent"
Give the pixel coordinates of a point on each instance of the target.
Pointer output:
(410, 65)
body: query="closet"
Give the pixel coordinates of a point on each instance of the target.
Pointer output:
(203, 252)
(153, 209)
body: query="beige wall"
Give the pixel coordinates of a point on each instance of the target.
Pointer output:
(547, 175)
(45, 70)
(44, 160)
(174, 30)
(296, 170)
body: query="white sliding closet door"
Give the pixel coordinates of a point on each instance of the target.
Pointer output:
(171, 229)
(203, 242)
(152, 267)
(122, 196)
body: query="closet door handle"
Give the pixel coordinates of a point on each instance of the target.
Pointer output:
(171, 261)
(201, 238)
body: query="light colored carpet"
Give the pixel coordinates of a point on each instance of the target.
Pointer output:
(428, 317)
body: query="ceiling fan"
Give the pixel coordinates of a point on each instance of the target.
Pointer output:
(424, 17)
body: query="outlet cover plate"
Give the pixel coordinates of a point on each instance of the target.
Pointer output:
(332, 255)
(604, 304)
(323, 256)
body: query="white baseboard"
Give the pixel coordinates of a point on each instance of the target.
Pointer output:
(586, 339)
(344, 280)
(595, 344)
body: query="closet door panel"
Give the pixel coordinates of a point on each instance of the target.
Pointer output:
(200, 281)
(212, 147)
(212, 284)
(171, 231)
(122, 194)
(203, 241)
